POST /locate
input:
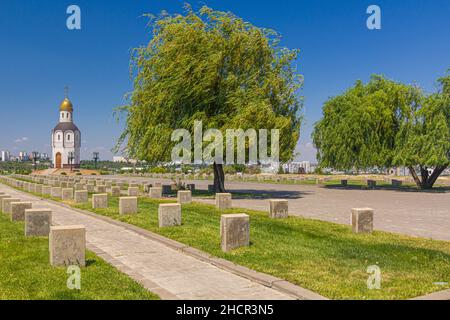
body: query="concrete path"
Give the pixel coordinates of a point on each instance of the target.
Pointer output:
(163, 270)
(421, 214)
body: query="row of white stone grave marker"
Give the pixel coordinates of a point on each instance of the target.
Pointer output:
(66, 243)
(234, 228)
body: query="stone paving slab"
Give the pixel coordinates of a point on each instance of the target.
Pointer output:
(166, 271)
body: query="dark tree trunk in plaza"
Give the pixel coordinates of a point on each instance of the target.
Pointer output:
(426, 180)
(219, 178)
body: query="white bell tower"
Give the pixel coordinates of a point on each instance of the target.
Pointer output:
(66, 138)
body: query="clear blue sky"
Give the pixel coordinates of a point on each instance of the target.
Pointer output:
(39, 56)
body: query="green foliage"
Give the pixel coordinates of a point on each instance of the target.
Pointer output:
(383, 124)
(424, 138)
(101, 165)
(214, 67)
(158, 170)
(359, 127)
(21, 167)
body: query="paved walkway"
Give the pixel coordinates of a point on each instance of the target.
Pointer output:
(163, 270)
(421, 214)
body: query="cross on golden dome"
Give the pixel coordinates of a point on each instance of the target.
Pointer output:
(66, 105)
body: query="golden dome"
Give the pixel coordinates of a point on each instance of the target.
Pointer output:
(66, 105)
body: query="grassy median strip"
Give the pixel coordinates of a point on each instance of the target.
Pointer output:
(25, 272)
(321, 256)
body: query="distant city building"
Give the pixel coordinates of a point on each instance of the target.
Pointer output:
(301, 167)
(23, 156)
(66, 138)
(400, 171)
(119, 159)
(5, 156)
(270, 167)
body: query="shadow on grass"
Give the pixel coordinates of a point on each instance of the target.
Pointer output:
(90, 262)
(268, 194)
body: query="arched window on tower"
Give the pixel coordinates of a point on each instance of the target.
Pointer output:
(59, 137)
(68, 137)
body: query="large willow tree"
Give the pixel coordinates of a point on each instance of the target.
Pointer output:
(383, 124)
(213, 67)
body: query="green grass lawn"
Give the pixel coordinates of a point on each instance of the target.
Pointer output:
(25, 272)
(321, 256)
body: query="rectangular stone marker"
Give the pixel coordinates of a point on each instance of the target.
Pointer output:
(133, 191)
(147, 187)
(362, 220)
(100, 201)
(100, 189)
(223, 201)
(79, 186)
(3, 196)
(155, 192)
(120, 184)
(67, 245)
(6, 204)
(18, 210)
(46, 190)
(56, 192)
(115, 191)
(39, 188)
(169, 214)
(63, 185)
(38, 222)
(371, 184)
(128, 205)
(396, 183)
(278, 209)
(184, 196)
(67, 194)
(81, 196)
(344, 183)
(234, 231)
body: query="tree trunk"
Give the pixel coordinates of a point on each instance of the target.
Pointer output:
(433, 177)
(427, 181)
(219, 178)
(415, 177)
